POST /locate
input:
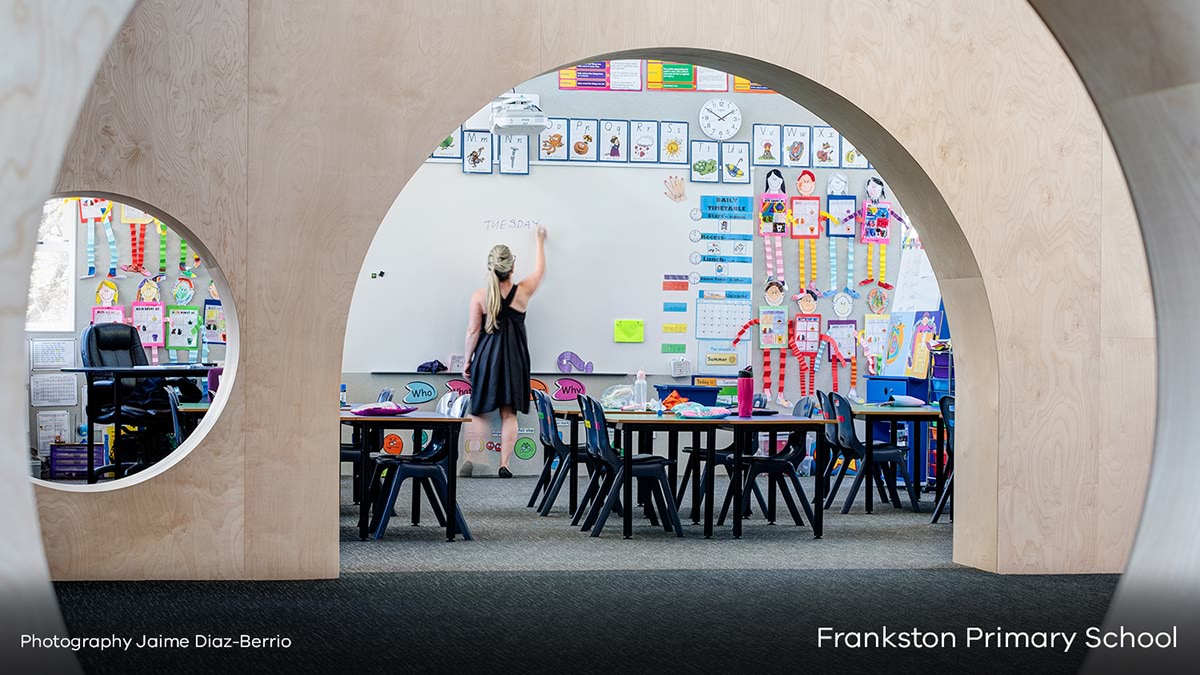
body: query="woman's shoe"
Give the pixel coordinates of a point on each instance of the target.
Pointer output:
(505, 473)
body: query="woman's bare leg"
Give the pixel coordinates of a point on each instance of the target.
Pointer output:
(508, 434)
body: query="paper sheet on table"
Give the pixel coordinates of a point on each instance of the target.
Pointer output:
(629, 330)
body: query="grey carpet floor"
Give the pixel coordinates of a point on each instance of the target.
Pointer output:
(510, 537)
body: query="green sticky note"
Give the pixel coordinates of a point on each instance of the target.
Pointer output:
(668, 348)
(629, 330)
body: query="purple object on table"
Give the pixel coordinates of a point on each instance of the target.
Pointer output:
(214, 380)
(381, 409)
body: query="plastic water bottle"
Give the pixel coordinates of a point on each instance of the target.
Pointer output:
(640, 395)
(342, 395)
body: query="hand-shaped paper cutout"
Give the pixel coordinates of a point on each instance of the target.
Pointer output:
(675, 189)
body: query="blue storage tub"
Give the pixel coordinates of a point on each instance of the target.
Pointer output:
(701, 395)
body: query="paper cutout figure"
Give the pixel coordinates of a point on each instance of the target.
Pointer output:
(183, 328)
(773, 224)
(212, 290)
(844, 334)
(875, 219)
(877, 301)
(807, 344)
(773, 293)
(774, 333)
(184, 269)
(568, 389)
(148, 291)
(162, 247)
(147, 318)
(183, 292)
(96, 211)
(107, 293)
(805, 218)
(417, 392)
(459, 386)
(675, 189)
(569, 360)
(806, 183)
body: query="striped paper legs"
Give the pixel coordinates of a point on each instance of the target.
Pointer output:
(91, 251)
(773, 251)
(162, 248)
(112, 247)
(808, 279)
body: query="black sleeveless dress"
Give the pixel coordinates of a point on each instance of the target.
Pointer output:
(500, 366)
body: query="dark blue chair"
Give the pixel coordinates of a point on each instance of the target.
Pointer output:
(780, 465)
(946, 403)
(889, 459)
(427, 465)
(349, 452)
(553, 443)
(836, 451)
(651, 468)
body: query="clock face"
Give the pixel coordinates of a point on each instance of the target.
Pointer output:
(720, 119)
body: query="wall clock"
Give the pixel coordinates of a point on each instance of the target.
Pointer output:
(720, 118)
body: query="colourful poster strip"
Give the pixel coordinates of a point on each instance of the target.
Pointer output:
(620, 75)
(675, 306)
(673, 348)
(743, 86)
(669, 76)
(726, 206)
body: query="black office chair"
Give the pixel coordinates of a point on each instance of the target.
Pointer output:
(552, 481)
(947, 405)
(889, 459)
(118, 345)
(780, 466)
(611, 467)
(349, 452)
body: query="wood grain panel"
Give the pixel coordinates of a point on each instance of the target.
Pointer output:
(947, 99)
(46, 75)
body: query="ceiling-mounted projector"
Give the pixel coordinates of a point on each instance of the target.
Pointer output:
(518, 114)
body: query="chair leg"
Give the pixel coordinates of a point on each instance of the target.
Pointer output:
(837, 484)
(791, 503)
(460, 523)
(941, 504)
(560, 477)
(647, 505)
(601, 496)
(725, 505)
(911, 487)
(808, 510)
(687, 474)
(542, 481)
(762, 501)
(890, 474)
(672, 511)
(881, 484)
(381, 486)
(589, 494)
(385, 514)
(356, 489)
(613, 493)
(858, 481)
(435, 501)
(416, 501)
(656, 492)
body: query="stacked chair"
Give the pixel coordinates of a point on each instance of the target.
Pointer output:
(604, 489)
(888, 459)
(551, 480)
(428, 470)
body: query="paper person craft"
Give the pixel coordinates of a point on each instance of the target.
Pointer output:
(875, 218)
(183, 292)
(94, 211)
(773, 224)
(106, 294)
(841, 209)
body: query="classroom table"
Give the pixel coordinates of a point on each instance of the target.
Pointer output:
(120, 373)
(744, 430)
(371, 429)
(918, 415)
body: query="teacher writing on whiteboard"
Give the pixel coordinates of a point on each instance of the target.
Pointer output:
(497, 349)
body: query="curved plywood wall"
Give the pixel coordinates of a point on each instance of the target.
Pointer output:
(281, 132)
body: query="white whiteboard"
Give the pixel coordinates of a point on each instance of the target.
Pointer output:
(613, 235)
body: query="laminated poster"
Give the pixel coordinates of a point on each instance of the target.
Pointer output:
(183, 327)
(772, 327)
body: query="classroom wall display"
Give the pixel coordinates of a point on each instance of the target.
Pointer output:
(670, 76)
(643, 134)
(581, 140)
(735, 162)
(876, 225)
(873, 340)
(134, 215)
(618, 75)
(477, 151)
(772, 327)
(767, 150)
(796, 146)
(552, 143)
(925, 329)
(916, 287)
(673, 142)
(826, 144)
(450, 147)
(745, 86)
(711, 79)
(419, 391)
(183, 327)
(844, 333)
(109, 314)
(897, 354)
(513, 156)
(806, 217)
(614, 140)
(706, 162)
(852, 158)
(841, 207)
(214, 323)
(148, 320)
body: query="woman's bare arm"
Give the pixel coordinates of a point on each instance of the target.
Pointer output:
(531, 282)
(474, 324)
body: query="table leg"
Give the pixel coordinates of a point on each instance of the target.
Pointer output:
(627, 483)
(819, 489)
(370, 439)
(696, 448)
(673, 456)
(773, 439)
(918, 455)
(452, 482)
(574, 468)
(868, 467)
(115, 447)
(735, 481)
(939, 462)
(91, 439)
(416, 489)
(709, 482)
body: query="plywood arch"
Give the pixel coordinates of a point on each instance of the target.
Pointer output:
(289, 175)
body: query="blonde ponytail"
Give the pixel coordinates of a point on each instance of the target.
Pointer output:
(500, 267)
